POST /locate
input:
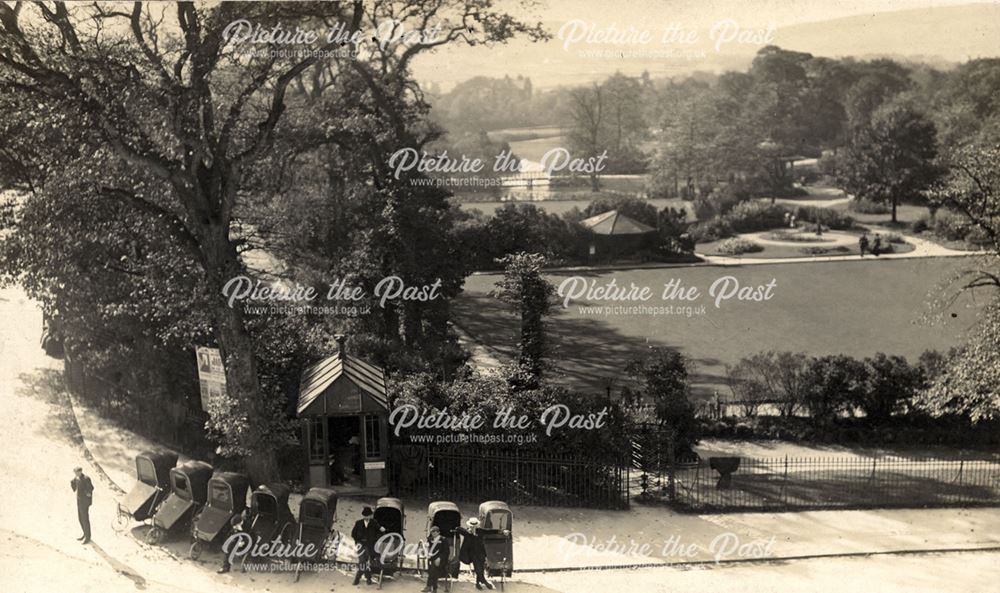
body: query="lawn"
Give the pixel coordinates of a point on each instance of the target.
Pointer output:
(856, 308)
(906, 214)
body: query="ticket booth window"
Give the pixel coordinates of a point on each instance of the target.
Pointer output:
(373, 436)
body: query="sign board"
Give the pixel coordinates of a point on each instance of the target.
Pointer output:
(211, 375)
(374, 465)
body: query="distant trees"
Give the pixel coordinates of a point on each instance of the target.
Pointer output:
(587, 114)
(891, 158)
(487, 104)
(609, 116)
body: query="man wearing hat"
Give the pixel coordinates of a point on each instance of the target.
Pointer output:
(365, 533)
(437, 559)
(84, 489)
(473, 551)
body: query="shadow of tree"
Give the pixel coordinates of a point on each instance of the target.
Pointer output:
(48, 386)
(586, 354)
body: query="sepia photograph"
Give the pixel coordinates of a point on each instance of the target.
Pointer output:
(538, 296)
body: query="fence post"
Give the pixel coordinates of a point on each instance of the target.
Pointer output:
(784, 484)
(672, 478)
(628, 483)
(961, 468)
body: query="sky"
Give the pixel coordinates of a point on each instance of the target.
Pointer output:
(554, 62)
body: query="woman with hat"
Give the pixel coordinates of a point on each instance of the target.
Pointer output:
(473, 551)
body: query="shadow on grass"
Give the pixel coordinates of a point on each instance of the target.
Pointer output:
(587, 354)
(844, 485)
(48, 386)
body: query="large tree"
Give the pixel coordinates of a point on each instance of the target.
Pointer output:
(892, 159)
(153, 108)
(969, 383)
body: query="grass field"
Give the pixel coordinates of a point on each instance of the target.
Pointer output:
(856, 308)
(906, 214)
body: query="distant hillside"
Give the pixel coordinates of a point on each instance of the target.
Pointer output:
(951, 33)
(936, 35)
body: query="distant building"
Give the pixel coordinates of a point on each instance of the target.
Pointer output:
(616, 235)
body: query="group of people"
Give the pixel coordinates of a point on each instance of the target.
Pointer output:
(367, 531)
(874, 247)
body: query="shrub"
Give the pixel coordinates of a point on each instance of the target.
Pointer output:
(894, 238)
(738, 246)
(719, 202)
(828, 217)
(890, 382)
(710, 230)
(748, 217)
(817, 250)
(920, 225)
(834, 382)
(977, 236)
(868, 207)
(951, 226)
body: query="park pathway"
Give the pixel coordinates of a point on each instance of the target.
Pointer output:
(923, 248)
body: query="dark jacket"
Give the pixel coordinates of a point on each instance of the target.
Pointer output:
(366, 537)
(439, 553)
(473, 549)
(84, 489)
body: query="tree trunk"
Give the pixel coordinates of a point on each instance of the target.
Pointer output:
(594, 185)
(238, 355)
(894, 209)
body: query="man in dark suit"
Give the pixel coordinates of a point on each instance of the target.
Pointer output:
(437, 559)
(473, 551)
(84, 489)
(365, 533)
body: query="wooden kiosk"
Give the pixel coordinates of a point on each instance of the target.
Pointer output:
(343, 404)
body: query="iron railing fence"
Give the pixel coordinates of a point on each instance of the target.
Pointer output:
(472, 474)
(787, 483)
